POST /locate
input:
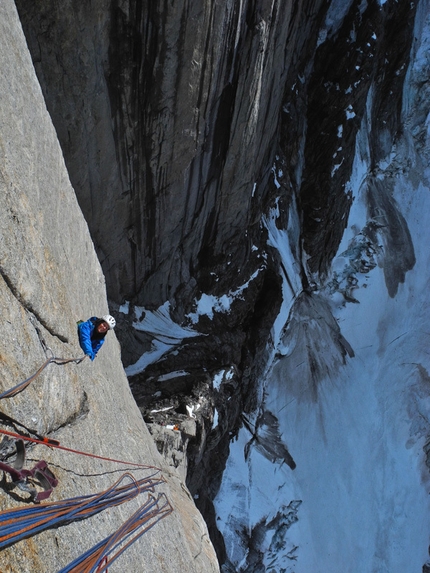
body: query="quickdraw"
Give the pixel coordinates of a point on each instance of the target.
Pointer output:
(21, 477)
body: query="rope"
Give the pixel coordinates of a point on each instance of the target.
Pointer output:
(56, 444)
(18, 426)
(103, 562)
(96, 560)
(19, 523)
(23, 385)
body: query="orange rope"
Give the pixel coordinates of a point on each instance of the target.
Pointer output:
(56, 444)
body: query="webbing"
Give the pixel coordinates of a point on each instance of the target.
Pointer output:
(23, 385)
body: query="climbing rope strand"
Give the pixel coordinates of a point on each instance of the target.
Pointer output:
(23, 385)
(16, 524)
(98, 554)
(56, 444)
(36, 518)
(19, 523)
(21, 520)
(96, 560)
(134, 524)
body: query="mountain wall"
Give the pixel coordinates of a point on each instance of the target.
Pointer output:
(217, 150)
(50, 278)
(168, 117)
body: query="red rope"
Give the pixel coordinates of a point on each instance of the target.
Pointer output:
(102, 564)
(56, 444)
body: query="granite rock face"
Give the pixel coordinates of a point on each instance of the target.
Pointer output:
(184, 127)
(50, 278)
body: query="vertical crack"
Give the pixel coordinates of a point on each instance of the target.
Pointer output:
(29, 307)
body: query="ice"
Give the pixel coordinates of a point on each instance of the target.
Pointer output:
(359, 447)
(357, 439)
(167, 334)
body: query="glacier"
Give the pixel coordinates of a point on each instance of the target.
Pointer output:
(354, 411)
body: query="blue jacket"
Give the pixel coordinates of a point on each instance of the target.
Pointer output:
(88, 345)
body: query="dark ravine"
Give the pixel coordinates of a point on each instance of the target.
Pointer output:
(173, 119)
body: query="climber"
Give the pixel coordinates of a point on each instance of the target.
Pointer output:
(92, 333)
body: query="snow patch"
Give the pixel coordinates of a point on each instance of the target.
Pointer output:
(170, 375)
(208, 304)
(222, 375)
(349, 112)
(167, 334)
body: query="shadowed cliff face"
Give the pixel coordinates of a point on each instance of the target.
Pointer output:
(168, 117)
(182, 124)
(362, 63)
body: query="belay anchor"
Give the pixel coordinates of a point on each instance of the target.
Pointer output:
(26, 479)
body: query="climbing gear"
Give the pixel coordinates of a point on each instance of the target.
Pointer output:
(109, 320)
(21, 477)
(96, 559)
(42, 439)
(9, 421)
(103, 562)
(56, 444)
(22, 385)
(22, 522)
(17, 524)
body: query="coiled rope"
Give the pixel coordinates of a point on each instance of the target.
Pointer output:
(23, 385)
(103, 554)
(19, 523)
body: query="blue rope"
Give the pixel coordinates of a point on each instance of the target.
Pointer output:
(144, 519)
(17, 524)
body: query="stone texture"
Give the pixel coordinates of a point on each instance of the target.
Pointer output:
(174, 121)
(50, 278)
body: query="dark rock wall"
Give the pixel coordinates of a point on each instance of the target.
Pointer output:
(361, 62)
(168, 115)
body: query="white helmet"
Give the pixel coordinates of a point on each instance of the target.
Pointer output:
(109, 320)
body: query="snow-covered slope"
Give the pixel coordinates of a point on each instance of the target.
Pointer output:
(355, 423)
